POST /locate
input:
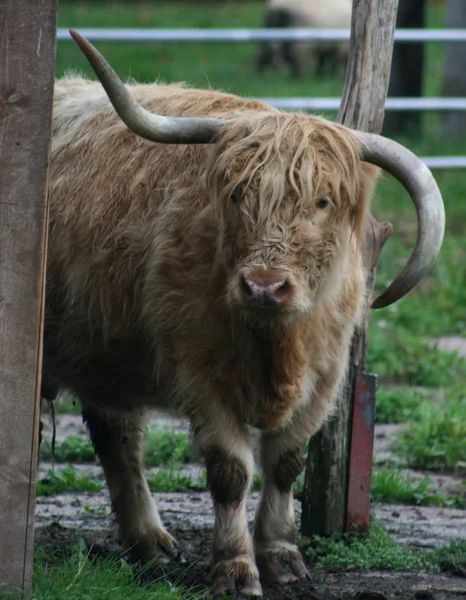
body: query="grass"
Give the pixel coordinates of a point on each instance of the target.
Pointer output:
(65, 481)
(397, 405)
(381, 551)
(66, 404)
(166, 447)
(80, 576)
(436, 438)
(388, 486)
(393, 487)
(72, 449)
(176, 481)
(221, 66)
(398, 355)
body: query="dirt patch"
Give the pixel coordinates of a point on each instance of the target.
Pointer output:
(421, 526)
(452, 343)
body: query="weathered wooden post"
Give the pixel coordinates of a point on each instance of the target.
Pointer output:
(27, 63)
(338, 473)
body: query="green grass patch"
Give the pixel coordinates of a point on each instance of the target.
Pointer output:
(177, 481)
(67, 404)
(452, 558)
(219, 65)
(80, 577)
(436, 438)
(71, 449)
(379, 550)
(397, 405)
(68, 480)
(398, 354)
(165, 447)
(65, 481)
(223, 66)
(393, 487)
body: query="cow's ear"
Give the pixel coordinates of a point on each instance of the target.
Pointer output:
(369, 175)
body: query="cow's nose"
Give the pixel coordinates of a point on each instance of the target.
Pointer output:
(262, 287)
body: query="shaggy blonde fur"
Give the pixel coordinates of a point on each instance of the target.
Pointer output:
(149, 245)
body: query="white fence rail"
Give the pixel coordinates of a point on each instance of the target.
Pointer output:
(413, 104)
(256, 35)
(205, 35)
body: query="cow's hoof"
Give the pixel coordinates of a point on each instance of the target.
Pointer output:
(156, 547)
(281, 563)
(238, 574)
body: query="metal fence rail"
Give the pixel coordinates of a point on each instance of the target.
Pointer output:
(253, 35)
(444, 162)
(308, 34)
(423, 104)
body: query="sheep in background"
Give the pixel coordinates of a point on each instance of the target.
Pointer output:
(324, 14)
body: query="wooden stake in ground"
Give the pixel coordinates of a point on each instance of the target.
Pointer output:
(325, 496)
(27, 63)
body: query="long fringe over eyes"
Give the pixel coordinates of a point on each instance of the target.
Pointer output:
(294, 155)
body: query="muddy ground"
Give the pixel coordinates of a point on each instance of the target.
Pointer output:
(62, 520)
(58, 530)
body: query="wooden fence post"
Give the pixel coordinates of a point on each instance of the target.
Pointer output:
(325, 499)
(27, 64)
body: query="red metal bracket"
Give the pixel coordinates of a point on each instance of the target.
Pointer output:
(362, 446)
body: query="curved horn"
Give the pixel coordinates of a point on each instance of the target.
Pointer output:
(413, 174)
(156, 128)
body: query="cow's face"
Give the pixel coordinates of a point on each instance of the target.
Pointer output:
(289, 197)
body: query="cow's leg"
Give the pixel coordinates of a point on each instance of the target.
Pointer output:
(119, 441)
(227, 451)
(277, 554)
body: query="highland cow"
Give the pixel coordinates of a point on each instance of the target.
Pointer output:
(209, 263)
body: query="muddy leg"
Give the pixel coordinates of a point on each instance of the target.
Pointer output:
(118, 440)
(277, 554)
(282, 460)
(229, 462)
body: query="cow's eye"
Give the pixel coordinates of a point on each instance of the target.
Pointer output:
(322, 202)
